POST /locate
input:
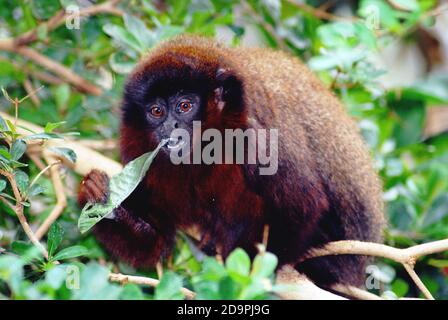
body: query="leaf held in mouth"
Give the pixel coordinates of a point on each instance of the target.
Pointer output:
(121, 186)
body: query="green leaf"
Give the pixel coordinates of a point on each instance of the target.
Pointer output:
(228, 288)
(44, 9)
(167, 32)
(139, 30)
(50, 126)
(55, 236)
(365, 35)
(409, 124)
(6, 95)
(61, 96)
(71, 252)
(400, 287)
(3, 125)
(379, 9)
(123, 37)
(34, 190)
(132, 291)
(95, 285)
(438, 263)
(2, 185)
(56, 276)
(255, 290)
(67, 153)
(343, 58)
(11, 271)
(18, 148)
(42, 31)
(43, 136)
(22, 180)
(169, 287)
(238, 262)
(437, 211)
(4, 152)
(212, 270)
(26, 251)
(121, 63)
(264, 265)
(121, 186)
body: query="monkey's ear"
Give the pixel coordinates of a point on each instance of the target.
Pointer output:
(229, 90)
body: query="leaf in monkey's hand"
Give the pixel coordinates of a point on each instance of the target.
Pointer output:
(121, 186)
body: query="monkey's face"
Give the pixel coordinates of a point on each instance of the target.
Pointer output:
(177, 111)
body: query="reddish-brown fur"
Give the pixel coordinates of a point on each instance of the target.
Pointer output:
(325, 188)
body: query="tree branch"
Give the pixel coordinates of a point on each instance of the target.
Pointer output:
(63, 72)
(61, 16)
(407, 257)
(19, 46)
(319, 13)
(61, 199)
(18, 209)
(123, 279)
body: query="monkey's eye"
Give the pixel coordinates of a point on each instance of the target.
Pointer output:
(156, 111)
(184, 106)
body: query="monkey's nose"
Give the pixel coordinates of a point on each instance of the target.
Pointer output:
(170, 125)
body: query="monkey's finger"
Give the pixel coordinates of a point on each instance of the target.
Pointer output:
(96, 192)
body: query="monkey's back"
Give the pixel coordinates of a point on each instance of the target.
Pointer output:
(318, 142)
(311, 118)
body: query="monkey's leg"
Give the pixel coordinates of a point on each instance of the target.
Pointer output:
(127, 235)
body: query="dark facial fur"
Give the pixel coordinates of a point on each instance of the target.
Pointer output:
(165, 114)
(325, 188)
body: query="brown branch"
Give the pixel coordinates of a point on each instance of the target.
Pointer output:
(61, 16)
(103, 145)
(123, 279)
(40, 75)
(29, 88)
(319, 13)
(38, 162)
(407, 257)
(87, 159)
(301, 288)
(268, 27)
(18, 209)
(63, 72)
(19, 46)
(61, 199)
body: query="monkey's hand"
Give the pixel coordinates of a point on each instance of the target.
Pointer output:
(94, 188)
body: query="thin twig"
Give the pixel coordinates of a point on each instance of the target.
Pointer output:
(123, 279)
(319, 13)
(18, 209)
(418, 281)
(61, 199)
(29, 88)
(61, 16)
(44, 171)
(268, 27)
(38, 162)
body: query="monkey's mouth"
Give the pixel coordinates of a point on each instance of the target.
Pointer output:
(174, 143)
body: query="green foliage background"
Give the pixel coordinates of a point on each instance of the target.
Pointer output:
(414, 169)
